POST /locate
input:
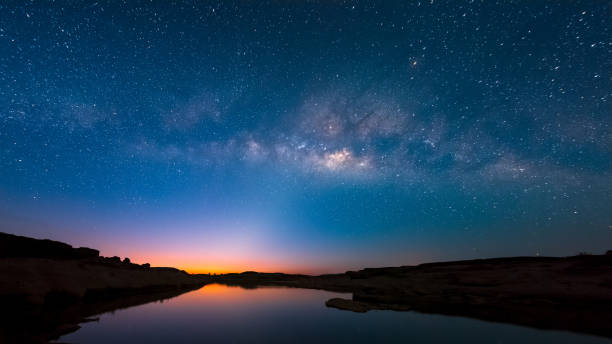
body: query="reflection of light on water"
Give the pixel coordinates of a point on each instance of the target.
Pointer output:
(224, 294)
(215, 288)
(220, 313)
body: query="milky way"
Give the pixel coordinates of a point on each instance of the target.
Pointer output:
(323, 134)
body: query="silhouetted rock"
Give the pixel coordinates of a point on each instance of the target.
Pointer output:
(45, 271)
(48, 286)
(348, 305)
(169, 269)
(19, 246)
(86, 252)
(114, 259)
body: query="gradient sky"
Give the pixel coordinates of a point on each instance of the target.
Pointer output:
(307, 136)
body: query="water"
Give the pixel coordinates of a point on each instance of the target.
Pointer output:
(217, 313)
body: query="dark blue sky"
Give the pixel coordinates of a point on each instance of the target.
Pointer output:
(308, 135)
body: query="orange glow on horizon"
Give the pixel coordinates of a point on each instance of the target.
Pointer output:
(195, 265)
(242, 268)
(221, 260)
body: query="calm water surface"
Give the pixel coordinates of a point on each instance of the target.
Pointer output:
(217, 313)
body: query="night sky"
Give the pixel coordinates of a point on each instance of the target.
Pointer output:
(308, 136)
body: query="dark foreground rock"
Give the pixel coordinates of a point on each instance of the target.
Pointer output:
(12, 246)
(348, 305)
(48, 287)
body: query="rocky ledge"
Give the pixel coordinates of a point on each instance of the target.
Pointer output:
(42, 271)
(48, 287)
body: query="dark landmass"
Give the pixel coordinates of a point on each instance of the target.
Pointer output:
(30, 323)
(570, 293)
(47, 288)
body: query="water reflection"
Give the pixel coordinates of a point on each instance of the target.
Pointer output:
(218, 313)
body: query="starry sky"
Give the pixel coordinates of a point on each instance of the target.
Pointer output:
(307, 136)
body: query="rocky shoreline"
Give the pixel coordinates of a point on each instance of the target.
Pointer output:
(568, 293)
(32, 323)
(47, 288)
